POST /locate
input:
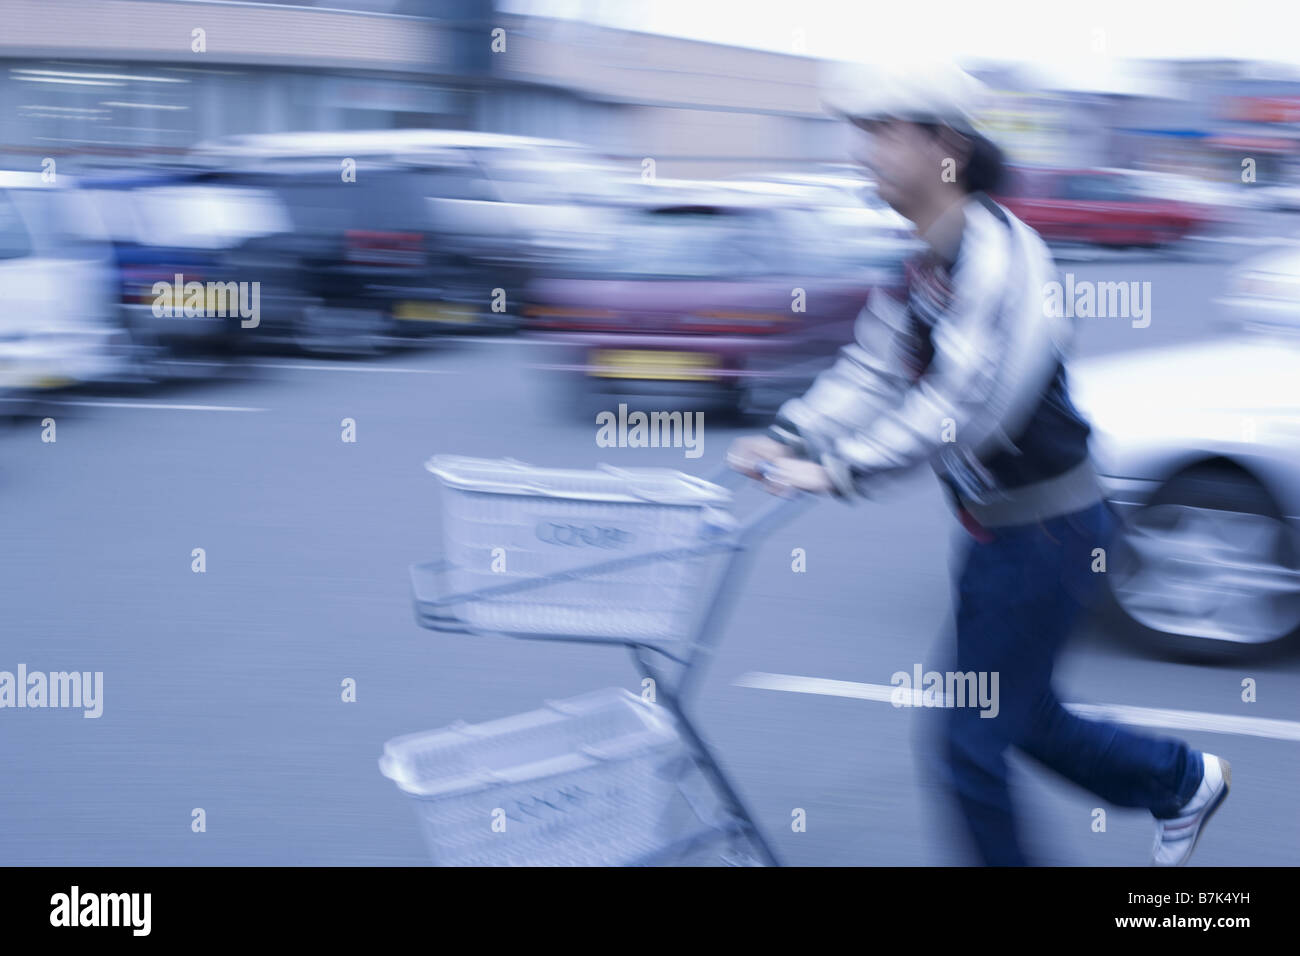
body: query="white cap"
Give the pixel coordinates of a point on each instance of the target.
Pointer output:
(923, 92)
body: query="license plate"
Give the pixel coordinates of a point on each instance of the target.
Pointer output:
(651, 364)
(434, 312)
(215, 304)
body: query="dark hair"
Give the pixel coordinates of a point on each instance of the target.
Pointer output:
(985, 167)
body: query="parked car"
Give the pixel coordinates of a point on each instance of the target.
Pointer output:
(1217, 204)
(493, 210)
(355, 265)
(1264, 291)
(851, 208)
(1281, 198)
(1199, 450)
(1108, 207)
(710, 296)
(165, 223)
(58, 325)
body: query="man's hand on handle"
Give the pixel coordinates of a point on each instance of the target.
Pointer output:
(777, 467)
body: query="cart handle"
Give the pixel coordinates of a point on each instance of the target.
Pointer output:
(765, 518)
(726, 476)
(733, 538)
(737, 539)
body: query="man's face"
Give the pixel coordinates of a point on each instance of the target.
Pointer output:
(906, 159)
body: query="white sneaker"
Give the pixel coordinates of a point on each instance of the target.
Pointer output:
(1176, 837)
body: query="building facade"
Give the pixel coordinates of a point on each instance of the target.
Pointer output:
(150, 78)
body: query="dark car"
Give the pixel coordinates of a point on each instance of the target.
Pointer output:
(720, 299)
(434, 230)
(1108, 207)
(168, 223)
(364, 263)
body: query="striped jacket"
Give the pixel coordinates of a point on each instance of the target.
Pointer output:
(967, 375)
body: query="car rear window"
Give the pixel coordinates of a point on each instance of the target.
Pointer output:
(456, 182)
(116, 212)
(1099, 188)
(692, 242)
(379, 200)
(546, 175)
(14, 239)
(1027, 184)
(195, 216)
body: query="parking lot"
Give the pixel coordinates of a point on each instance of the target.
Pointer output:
(223, 689)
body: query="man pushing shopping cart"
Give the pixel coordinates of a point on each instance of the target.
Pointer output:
(968, 376)
(608, 778)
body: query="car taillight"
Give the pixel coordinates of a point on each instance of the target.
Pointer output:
(377, 248)
(569, 317)
(722, 322)
(138, 284)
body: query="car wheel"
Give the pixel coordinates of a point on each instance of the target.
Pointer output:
(1209, 567)
(331, 330)
(586, 401)
(144, 358)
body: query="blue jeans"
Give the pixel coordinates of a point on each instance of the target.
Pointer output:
(1018, 598)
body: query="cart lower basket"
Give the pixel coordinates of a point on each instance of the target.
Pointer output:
(645, 559)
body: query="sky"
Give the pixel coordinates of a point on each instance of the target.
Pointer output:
(1053, 33)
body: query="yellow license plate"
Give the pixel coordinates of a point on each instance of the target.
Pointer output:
(434, 312)
(651, 364)
(215, 305)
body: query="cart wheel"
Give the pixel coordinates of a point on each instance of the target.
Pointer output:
(739, 854)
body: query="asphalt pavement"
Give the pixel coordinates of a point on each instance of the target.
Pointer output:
(223, 689)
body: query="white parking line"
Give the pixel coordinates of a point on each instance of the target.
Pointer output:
(97, 403)
(493, 339)
(329, 368)
(1121, 713)
(359, 368)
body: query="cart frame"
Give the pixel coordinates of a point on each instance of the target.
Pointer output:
(673, 687)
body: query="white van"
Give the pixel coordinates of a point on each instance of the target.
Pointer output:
(58, 324)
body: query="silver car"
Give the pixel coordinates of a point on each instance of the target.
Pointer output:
(1199, 449)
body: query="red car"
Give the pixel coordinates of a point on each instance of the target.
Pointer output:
(708, 301)
(1108, 207)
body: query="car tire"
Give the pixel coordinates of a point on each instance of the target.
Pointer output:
(585, 401)
(1208, 569)
(147, 359)
(330, 331)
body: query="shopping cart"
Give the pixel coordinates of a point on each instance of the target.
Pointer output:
(591, 780)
